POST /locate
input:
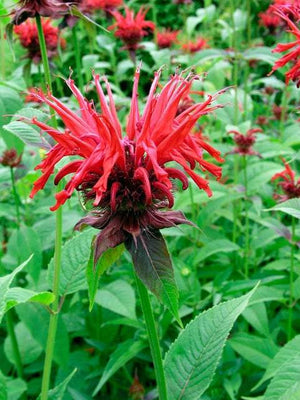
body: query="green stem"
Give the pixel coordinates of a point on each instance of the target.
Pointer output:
(284, 103)
(58, 242)
(14, 343)
(77, 58)
(292, 291)
(45, 61)
(153, 340)
(2, 50)
(246, 252)
(247, 67)
(13, 183)
(55, 308)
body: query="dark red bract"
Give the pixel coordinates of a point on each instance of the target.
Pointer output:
(245, 142)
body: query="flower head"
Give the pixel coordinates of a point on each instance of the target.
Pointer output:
(269, 20)
(166, 38)
(106, 5)
(194, 46)
(130, 28)
(10, 158)
(245, 142)
(126, 177)
(289, 185)
(45, 8)
(28, 35)
(292, 49)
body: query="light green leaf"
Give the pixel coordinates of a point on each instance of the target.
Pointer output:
(93, 274)
(124, 353)
(283, 359)
(75, 256)
(27, 133)
(215, 246)
(118, 297)
(18, 295)
(192, 359)
(291, 207)
(256, 315)
(58, 392)
(261, 53)
(5, 282)
(15, 388)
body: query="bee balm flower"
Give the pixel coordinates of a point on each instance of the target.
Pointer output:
(289, 185)
(245, 142)
(166, 38)
(127, 176)
(44, 8)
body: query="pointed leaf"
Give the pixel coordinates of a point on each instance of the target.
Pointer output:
(58, 392)
(192, 359)
(153, 266)
(124, 353)
(77, 13)
(9, 36)
(5, 282)
(27, 133)
(18, 295)
(291, 207)
(107, 259)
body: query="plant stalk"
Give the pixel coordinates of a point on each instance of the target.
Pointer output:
(14, 343)
(77, 58)
(13, 184)
(153, 340)
(292, 273)
(246, 251)
(58, 243)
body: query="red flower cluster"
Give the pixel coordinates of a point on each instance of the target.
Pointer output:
(294, 49)
(289, 185)
(269, 20)
(10, 158)
(28, 35)
(131, 29)
(194, 46)
(45, 8)
(106, 5)
(127, 177)
(166, 38)
(245, 142)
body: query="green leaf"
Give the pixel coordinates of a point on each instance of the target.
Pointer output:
(58, 392)
(255, 349)
(118, 297)
(291, 207)
(77, 13)
(192, 359)
(256, 315)
(27, 133)
(9, 36)
(285, 384)
(18, 295)
(124, 353)
(30, 349)
(215, 246)
(261, 53)
(15, 388)
(107, 259)
(284, 358)
(3, 387)
(5, 282)
(153, 266)
(75, 256)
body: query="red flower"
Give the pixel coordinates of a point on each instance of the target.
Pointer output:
(290, 186)
(131, 29)
(107, 5)
(127, 177)
(166, 38)
(245, 142)
(30, 96)
(294, 53)
(269, 20)
(45, 8)
(28, 35)
(10, 158)
(182, 1)
(194, 46)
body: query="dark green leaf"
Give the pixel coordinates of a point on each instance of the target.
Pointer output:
(58, 392)
(153, 266)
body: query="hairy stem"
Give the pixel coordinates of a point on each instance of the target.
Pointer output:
(153, 340)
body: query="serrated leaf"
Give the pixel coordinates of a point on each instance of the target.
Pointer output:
(284, 357)
(5, 282)
(93, 274)
(58, 392)
(74, 259)
(215, 246)
(192, 359)
(153, 266)
(18, 295)
(124, 353)
(26, 133)
(285, 384)
(118, 297)
(291, 207)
